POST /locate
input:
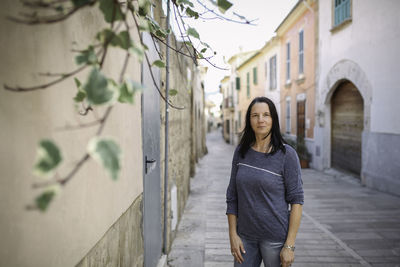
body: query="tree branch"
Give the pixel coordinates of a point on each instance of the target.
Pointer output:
(79, 126)
(151, 72)
(49, 19)
(248, 22)
(44, 86)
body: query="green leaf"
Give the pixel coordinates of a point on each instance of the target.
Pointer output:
(186, 2)
(155, 28)
(80, 96)
(78, 83)
(192, 13)
(78, 3)
(223, 5)
(138, 49)
(172, 92)
(96, 88)
(193, 32)
(106, 35)
(144, 7)
(44, 199)
(48, 158)
(111, 10)
(128, 90)
(203, 50)
(188, 43)
(159, 63)
(205, 44)
(161, 33)
(108, 153)
(144, 24)
(59, 8)
(124, 40)
(87, 56)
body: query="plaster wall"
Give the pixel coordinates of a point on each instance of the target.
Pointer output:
(273, 94)
(91, 202)
(298, 84)
(255, 89)
(365, 52)
(370, 40)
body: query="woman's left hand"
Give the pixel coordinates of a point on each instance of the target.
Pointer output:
(287, 257)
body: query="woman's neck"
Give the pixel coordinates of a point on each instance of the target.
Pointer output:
(262, 144)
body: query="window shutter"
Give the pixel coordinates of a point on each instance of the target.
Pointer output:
(237, 83)
(255, 75)
(248, 84)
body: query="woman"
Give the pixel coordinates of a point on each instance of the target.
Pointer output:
(265, 179)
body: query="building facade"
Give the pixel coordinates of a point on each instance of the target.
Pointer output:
(297, 37)
(357, 128)
(227, 109)
(251, 84)
(271, 54)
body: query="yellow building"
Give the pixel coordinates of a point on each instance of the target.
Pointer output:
(258, 76)
(297, 36)
(227, 109)
(231, 86)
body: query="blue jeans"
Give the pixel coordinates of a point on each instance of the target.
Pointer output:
(257, 251)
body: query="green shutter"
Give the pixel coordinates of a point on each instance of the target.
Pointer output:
(248, 84)
(237, 83)
(342, 11)
(255, 75)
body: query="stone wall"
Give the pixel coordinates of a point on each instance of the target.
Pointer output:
(184, 132)
(122, 244)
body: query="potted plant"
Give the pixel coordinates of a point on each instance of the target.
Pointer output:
(302, 152)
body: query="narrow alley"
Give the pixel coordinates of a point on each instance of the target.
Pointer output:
(343, 224)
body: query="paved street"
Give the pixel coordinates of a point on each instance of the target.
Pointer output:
(343, 224)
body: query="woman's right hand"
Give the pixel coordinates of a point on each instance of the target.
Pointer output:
(237, 247)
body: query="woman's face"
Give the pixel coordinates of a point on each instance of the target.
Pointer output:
(260, 118)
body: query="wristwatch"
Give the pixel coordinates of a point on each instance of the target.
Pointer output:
(289, 247)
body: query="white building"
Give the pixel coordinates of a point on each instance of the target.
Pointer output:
(357, 104)
(272, 72)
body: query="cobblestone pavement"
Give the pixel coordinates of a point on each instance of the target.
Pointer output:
(343, 224)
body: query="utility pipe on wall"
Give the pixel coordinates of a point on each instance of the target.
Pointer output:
(165, 247)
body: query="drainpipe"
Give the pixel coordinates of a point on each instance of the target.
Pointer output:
(165, 246)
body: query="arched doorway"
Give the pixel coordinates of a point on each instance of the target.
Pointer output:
(347, 117)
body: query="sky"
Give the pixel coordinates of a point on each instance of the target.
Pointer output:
(227, 38)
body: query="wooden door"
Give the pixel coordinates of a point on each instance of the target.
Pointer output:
(301, 118)
(347, 109)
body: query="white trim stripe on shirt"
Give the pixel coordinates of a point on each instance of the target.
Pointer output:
(259, 169)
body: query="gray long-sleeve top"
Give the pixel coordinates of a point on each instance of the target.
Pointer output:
(260, 190)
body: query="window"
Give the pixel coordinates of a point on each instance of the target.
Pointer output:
(255, 75)
(272, 72)
(288, 62)
(301, 52)
(342, 11)
(266, 69)
(248, 84)
(288, 114)
(237, 83)
(240, 119)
